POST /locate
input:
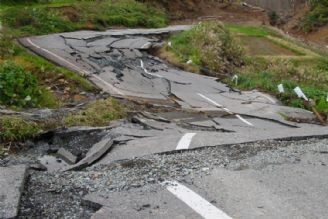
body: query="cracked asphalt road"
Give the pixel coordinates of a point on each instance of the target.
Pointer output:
(203, 159)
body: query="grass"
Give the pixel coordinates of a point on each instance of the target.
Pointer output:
(37, 19)
(209, 45)
(306, 69)
(98, 113)
(249, 30)
(47, 76)
(17, 129)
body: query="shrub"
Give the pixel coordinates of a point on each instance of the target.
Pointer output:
(7, 47)
(210, 45)
(273, 17)
(316, 17)
(216, 47)
(17, 87)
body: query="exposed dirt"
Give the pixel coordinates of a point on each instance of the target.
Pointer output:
(189, 11)
(319, 36)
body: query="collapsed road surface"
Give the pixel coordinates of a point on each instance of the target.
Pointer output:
(213, 153)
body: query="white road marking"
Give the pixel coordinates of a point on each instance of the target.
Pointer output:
(145, 45)
(111, 87)
(244, 120)
(147, 72)
(185, 141)
(209, 100)
(225, 109)
(195, 201)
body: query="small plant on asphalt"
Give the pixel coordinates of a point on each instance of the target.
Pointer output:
(97, 113)
(17, 129)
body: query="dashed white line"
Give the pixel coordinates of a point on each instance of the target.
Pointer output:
(244, 120)
(209, 100)
(185, 141)
(111, 87)
(195, 201)
(225, 109)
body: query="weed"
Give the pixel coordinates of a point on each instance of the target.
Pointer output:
(38, 19)
(17, 129)
(211, 45)
(18, 87)
(98, 113)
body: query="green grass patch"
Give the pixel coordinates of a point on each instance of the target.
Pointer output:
(37, 19)
(249, 30)
(17, 129)
(97, 113)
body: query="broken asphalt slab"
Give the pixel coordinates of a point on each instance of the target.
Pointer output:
(12, 181)
(118, 62)
(96, 151)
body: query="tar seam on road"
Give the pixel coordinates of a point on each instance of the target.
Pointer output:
(111, 87)
(195, 201)
(225, 109)
(185, 141)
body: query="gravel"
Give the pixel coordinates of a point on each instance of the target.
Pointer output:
(59, 195)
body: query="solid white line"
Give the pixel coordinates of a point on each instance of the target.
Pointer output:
(76, 67)
(195, 201)
(244, 120)
(185, 141)
(209, 100)
(225, 109)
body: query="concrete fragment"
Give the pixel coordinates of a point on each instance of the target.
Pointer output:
(67, 156)
(96, 152)
(12, 181)
(52, 163)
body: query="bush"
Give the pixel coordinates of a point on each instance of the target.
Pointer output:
(217, 49)
(273, 17)
(316, 17)
(7, 47)
(211, 45)
(17, 87)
